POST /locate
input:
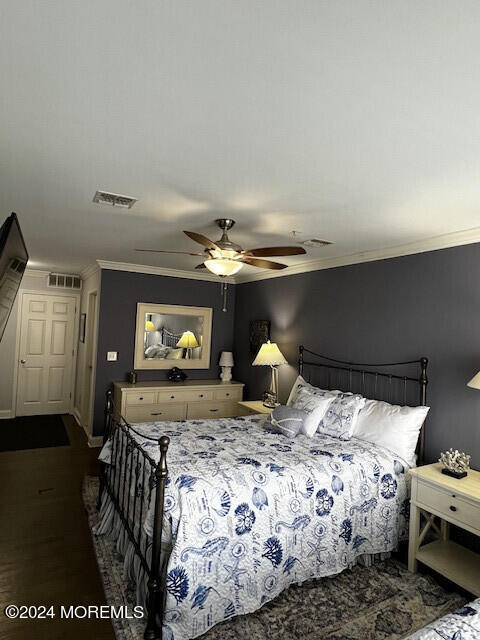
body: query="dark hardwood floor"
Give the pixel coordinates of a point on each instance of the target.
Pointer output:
(46, 552)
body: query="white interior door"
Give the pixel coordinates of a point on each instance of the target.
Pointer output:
(46, 354)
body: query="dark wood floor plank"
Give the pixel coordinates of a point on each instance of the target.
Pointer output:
(46, 551)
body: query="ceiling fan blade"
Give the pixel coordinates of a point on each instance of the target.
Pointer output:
(186, 253)
(263, 264)
(201, 266)
(203, 240)
(275, 251)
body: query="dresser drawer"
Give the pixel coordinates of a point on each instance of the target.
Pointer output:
(134, 398)
(156, 413)
(185, 396)
(449, 504)
(213, 409)
(228, 394)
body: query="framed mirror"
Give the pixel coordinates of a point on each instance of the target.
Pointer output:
(172, 336)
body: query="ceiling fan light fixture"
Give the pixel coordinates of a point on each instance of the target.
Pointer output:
(223, 266)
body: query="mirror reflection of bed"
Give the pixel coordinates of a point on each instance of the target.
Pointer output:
(173, 337)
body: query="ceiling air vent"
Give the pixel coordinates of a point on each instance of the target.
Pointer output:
(114, 199)
(64, 281)
(315, 242)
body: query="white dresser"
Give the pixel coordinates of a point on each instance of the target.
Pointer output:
(155, 401)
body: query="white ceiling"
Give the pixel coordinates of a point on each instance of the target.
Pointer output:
(355, 121)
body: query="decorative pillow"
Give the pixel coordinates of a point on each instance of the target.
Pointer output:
(175, 354)
(391, 426)
(301, 383)
(315, 406)
(286, 420)
(339, 421)
(157, 351)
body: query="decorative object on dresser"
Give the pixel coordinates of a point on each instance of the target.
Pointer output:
(455, 463)
(153, 401)
(270, 355)
(259, 334)
(437, 497)
(167, 334)
(226, 363)
(177, 375)
(254, 406)
(132, 377)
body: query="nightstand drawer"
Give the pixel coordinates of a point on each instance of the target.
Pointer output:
(449, 504)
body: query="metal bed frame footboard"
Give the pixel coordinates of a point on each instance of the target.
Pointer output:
(377, 381)
(130, 463)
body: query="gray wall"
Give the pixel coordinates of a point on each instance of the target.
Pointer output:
(120, 292)
(389, 310)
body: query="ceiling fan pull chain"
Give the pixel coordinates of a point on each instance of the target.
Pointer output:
(224, 292)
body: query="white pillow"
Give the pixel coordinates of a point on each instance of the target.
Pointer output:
(301, 383)
(314, 406)
(342, 415)
(391, 426)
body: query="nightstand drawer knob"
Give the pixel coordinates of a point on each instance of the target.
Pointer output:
(452, 508)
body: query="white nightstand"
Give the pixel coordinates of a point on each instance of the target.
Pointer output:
(254, 406)
(436, 496)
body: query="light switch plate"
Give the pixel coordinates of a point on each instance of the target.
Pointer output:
(112, 356)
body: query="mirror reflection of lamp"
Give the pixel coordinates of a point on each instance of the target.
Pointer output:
(188, 341)
(270, 355)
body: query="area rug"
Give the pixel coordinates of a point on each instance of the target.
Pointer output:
(381, 602)
(33, 432)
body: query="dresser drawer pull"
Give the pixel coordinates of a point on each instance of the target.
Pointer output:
(201, 395)
(141, 398)
(157, 413)
(213, 410)
(452, 508)
(227, 394)
(172, 397)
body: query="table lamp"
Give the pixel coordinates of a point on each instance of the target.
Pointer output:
(474, 383)
(188, 341)
(226, 362)
(270, 355)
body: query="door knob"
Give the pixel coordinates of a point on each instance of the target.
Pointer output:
(23, 361)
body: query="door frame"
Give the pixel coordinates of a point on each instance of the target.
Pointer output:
(92, 329)
(67, 294)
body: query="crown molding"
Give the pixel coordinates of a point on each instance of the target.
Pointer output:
(162, 271)
(446, 241)
(89, 271)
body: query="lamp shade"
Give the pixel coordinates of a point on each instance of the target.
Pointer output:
(187, 341)
(474, 383)
(226, 359)
(149, 326)
(269, 354)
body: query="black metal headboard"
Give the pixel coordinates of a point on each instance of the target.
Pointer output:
(387, 381)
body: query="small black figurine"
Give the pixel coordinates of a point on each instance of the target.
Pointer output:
(176, 375)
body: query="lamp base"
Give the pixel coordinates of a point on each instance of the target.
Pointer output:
(270, 400)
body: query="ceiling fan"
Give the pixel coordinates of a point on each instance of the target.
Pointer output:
(226, 258)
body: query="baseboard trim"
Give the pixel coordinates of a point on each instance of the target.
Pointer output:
(5, 414)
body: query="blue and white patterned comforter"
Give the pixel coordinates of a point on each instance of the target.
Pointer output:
(462, 624)
(252, 512)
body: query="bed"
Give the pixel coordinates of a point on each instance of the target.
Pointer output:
(241, 513)
(462, 624)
